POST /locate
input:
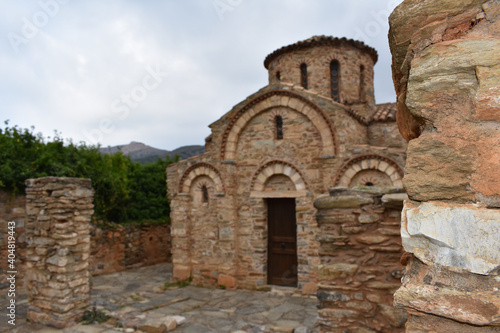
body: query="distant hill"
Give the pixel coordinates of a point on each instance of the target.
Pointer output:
(139, 152)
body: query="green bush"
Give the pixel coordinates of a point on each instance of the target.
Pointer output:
(124, 191)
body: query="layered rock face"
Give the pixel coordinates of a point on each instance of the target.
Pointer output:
(446, 66)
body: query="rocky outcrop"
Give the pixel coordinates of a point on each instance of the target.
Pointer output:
(446, 68)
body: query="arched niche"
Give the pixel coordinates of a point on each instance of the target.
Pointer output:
(370, 170)
(278, 179)
(198, 170)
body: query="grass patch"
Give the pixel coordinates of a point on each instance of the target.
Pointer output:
(94, 316)
(178, 284)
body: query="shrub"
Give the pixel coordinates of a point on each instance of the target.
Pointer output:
(124, 190)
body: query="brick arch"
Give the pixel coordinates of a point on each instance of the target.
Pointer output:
(275, 99)
(277, 167)
(369, 162)
(201, 169)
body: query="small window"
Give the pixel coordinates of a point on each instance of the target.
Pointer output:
(335, 80)
(303, 75)
(204, 193)
(279, 127)
(361, 83)
(278, 75)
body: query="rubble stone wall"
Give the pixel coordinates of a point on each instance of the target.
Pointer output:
(12, 209)
(125, 247)
(446, 74)
(359, 254)
(113, 249)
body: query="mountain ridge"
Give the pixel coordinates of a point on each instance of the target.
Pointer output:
(142, 153)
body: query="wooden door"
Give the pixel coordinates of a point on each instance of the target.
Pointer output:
(282, 242)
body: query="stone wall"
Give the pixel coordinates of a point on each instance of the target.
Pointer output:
(360, 250)
(124, 247)
(113, 249)
(59, 212)
(12, 209)
(446, 73)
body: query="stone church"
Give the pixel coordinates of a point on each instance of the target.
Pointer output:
(242, 213)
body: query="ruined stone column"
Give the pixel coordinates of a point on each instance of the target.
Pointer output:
(446, 71)
(59, 212)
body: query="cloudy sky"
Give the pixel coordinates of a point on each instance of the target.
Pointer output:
(159, 72)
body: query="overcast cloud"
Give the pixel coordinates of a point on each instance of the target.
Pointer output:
(159, 72)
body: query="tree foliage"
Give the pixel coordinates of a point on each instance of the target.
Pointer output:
(124, 191)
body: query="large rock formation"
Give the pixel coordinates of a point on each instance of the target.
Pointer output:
(446, 66)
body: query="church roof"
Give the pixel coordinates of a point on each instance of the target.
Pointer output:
(385, 112)
(381, 113)
(321, 41)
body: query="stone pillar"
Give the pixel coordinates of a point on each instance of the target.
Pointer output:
(446, 70)
(360, 269)
(59, 212)
(182, 238)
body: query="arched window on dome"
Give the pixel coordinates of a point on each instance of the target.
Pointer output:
(279, 127)
(303, 75)
(362, 83)
(335, 80)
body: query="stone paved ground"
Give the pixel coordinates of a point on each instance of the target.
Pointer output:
(137, 301)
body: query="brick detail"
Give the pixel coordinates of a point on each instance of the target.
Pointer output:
(369, 162)
(201, 169)
(276, 168)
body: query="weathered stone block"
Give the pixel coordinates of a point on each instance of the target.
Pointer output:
(438, 170)
(368, 218)
(332, 296)
(394, 200)
(371, 239)
(60, 261)
(453, 235)
(227, 281)
(345, 201)
(336, 271)
(353, 230)
(395, 316)
(383, 285)
(338, 315)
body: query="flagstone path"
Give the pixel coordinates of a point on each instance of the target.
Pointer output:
(137, 301)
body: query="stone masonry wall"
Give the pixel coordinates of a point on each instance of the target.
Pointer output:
(12, 209)
(359, 253)
(59, 212)
(112, 249)
(125, 247)
(446, 70)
